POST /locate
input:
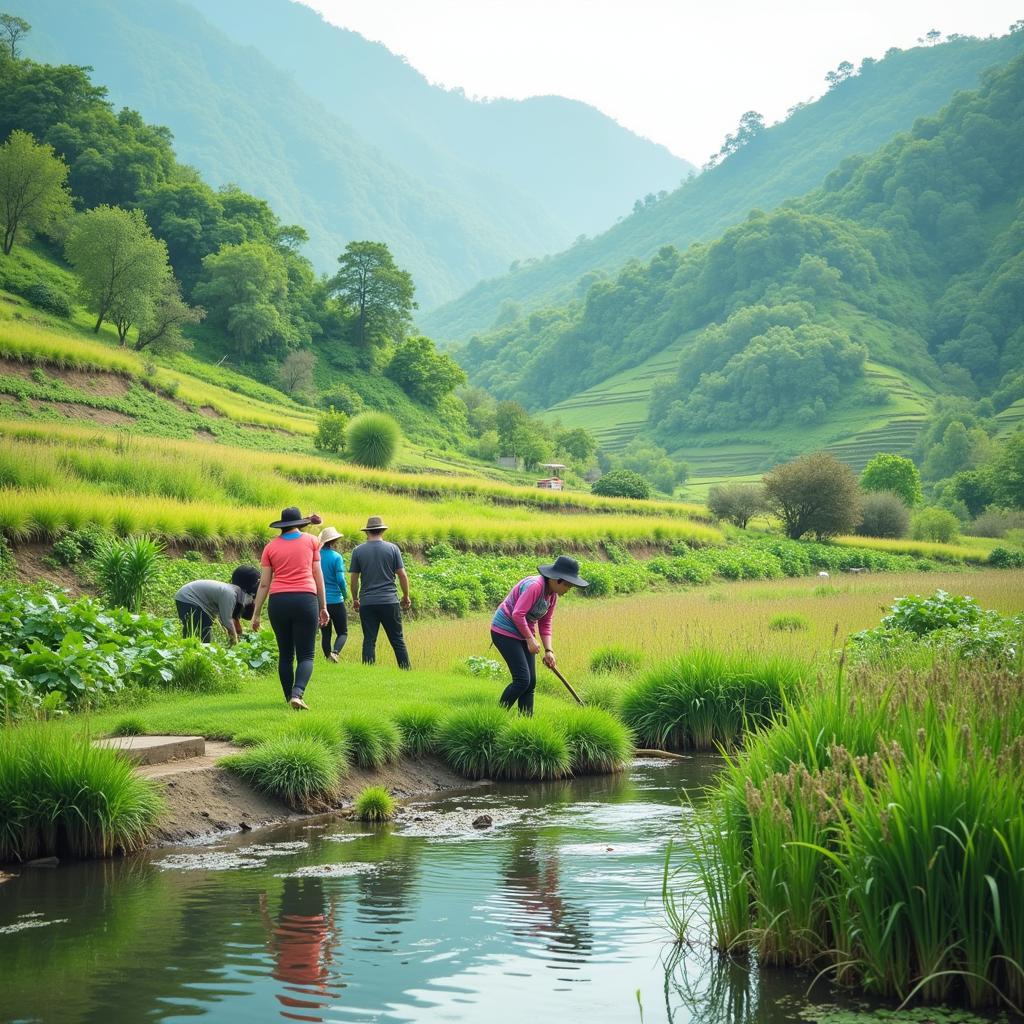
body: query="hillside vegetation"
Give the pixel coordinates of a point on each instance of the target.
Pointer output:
(828, 320)
(785, 160)
(276, 101)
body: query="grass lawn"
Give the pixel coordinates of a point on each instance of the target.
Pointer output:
(734, 616)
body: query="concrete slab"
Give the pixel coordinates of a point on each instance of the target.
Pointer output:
(155, 749)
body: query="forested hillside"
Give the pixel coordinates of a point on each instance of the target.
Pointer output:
(908, 260)
(242, 117)
(858, 114)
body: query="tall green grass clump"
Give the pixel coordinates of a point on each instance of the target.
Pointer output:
(876, 835)
(372, 741)
(371, 439)
(469, 739)
(127, 569)
(62, 796)
(708, 699)
(420, 727)
(375, 804)
(598, 742)
(300, 771)
(323, 730)
(531, 748)
(789, 623)
(615, 658)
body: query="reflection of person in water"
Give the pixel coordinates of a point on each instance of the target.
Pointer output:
(302, 941)
(532, 881)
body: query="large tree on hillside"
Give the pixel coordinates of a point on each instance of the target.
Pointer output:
(377, 290)
(423, 372)
(12, 28)
(122, 269)
(33, 190)
(814, 494)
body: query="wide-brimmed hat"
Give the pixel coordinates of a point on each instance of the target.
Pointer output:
(563, 568)
(329, 533)
(373, 524)
(291, 517)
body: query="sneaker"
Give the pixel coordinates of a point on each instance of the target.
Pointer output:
(333, 656)
(298, 704)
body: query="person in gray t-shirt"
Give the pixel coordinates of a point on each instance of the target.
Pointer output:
(201, 601)
(373, 568)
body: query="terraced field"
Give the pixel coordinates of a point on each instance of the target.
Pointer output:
(1012, 418)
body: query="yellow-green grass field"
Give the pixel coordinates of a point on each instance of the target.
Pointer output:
(58, 478)
(731, 617)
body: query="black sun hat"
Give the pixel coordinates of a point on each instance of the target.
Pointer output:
(291, 517)
(563, 568)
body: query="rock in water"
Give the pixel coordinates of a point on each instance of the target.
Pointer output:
(483, 821)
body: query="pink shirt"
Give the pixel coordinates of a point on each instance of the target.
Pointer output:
(514, 618)
(292, 560)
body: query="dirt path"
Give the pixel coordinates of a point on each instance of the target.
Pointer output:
(204, 800)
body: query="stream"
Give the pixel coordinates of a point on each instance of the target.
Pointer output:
(551, 914)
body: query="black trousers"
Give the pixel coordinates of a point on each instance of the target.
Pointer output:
(523, 666)
(372, 617)
(294, 617)
(339, 620)
(194, 621)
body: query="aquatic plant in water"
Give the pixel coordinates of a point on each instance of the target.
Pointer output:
(375, 803)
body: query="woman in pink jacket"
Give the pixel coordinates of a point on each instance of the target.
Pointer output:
(529, 604)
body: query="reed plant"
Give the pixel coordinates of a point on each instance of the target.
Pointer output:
(420, 726)
(127, 569)
(614, 658)
(62, 796)
(373, 740)
(707, 699)
(469, 739)
(298, 770)
(375, 804)
(875, 834)
(598, 742)
(531, 748)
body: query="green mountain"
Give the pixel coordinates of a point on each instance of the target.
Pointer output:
(785, 160)
(833, 320)
(242, 117)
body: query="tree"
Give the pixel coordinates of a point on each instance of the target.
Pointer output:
(577, 444)
(1008, 471)
(122, 268)
(622, 483)
(12, 28)
(814, 494)
(330, 431)
(295, 374)
(935, 524)
(162, 331)
(751, 125)
(737, 503)
(894, 473)
(33, 189)
(423, 372)
(244, 288)
(884, 515)
(380, 293)
(653, 463)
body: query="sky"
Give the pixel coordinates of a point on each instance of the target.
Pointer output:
(680, 72)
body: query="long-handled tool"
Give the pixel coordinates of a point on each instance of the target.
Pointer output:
(565, 683)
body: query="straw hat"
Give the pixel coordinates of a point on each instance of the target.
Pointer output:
(329, 533)
(373, 524)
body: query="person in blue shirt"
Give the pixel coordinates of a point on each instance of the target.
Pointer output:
(333, 566)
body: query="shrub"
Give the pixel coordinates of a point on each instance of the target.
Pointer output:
(373, 741)
(706, 699)
(49, 299)
(622, 483)
(127, 569)
(375, 804)
(469, 738)
(301, 772)
(997, 522)
(788, 623)
(935, 524)
(613, 658)
(343, 398)
(884, 515)
(736, 503)
(420, 727)
(1003, 558)
(531, 748)
(598, 742)
(330, 431)
(63, 796)
(371, 439)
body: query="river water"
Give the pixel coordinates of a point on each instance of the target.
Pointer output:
(553, 914)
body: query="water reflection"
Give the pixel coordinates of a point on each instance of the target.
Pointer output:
(303, 940)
